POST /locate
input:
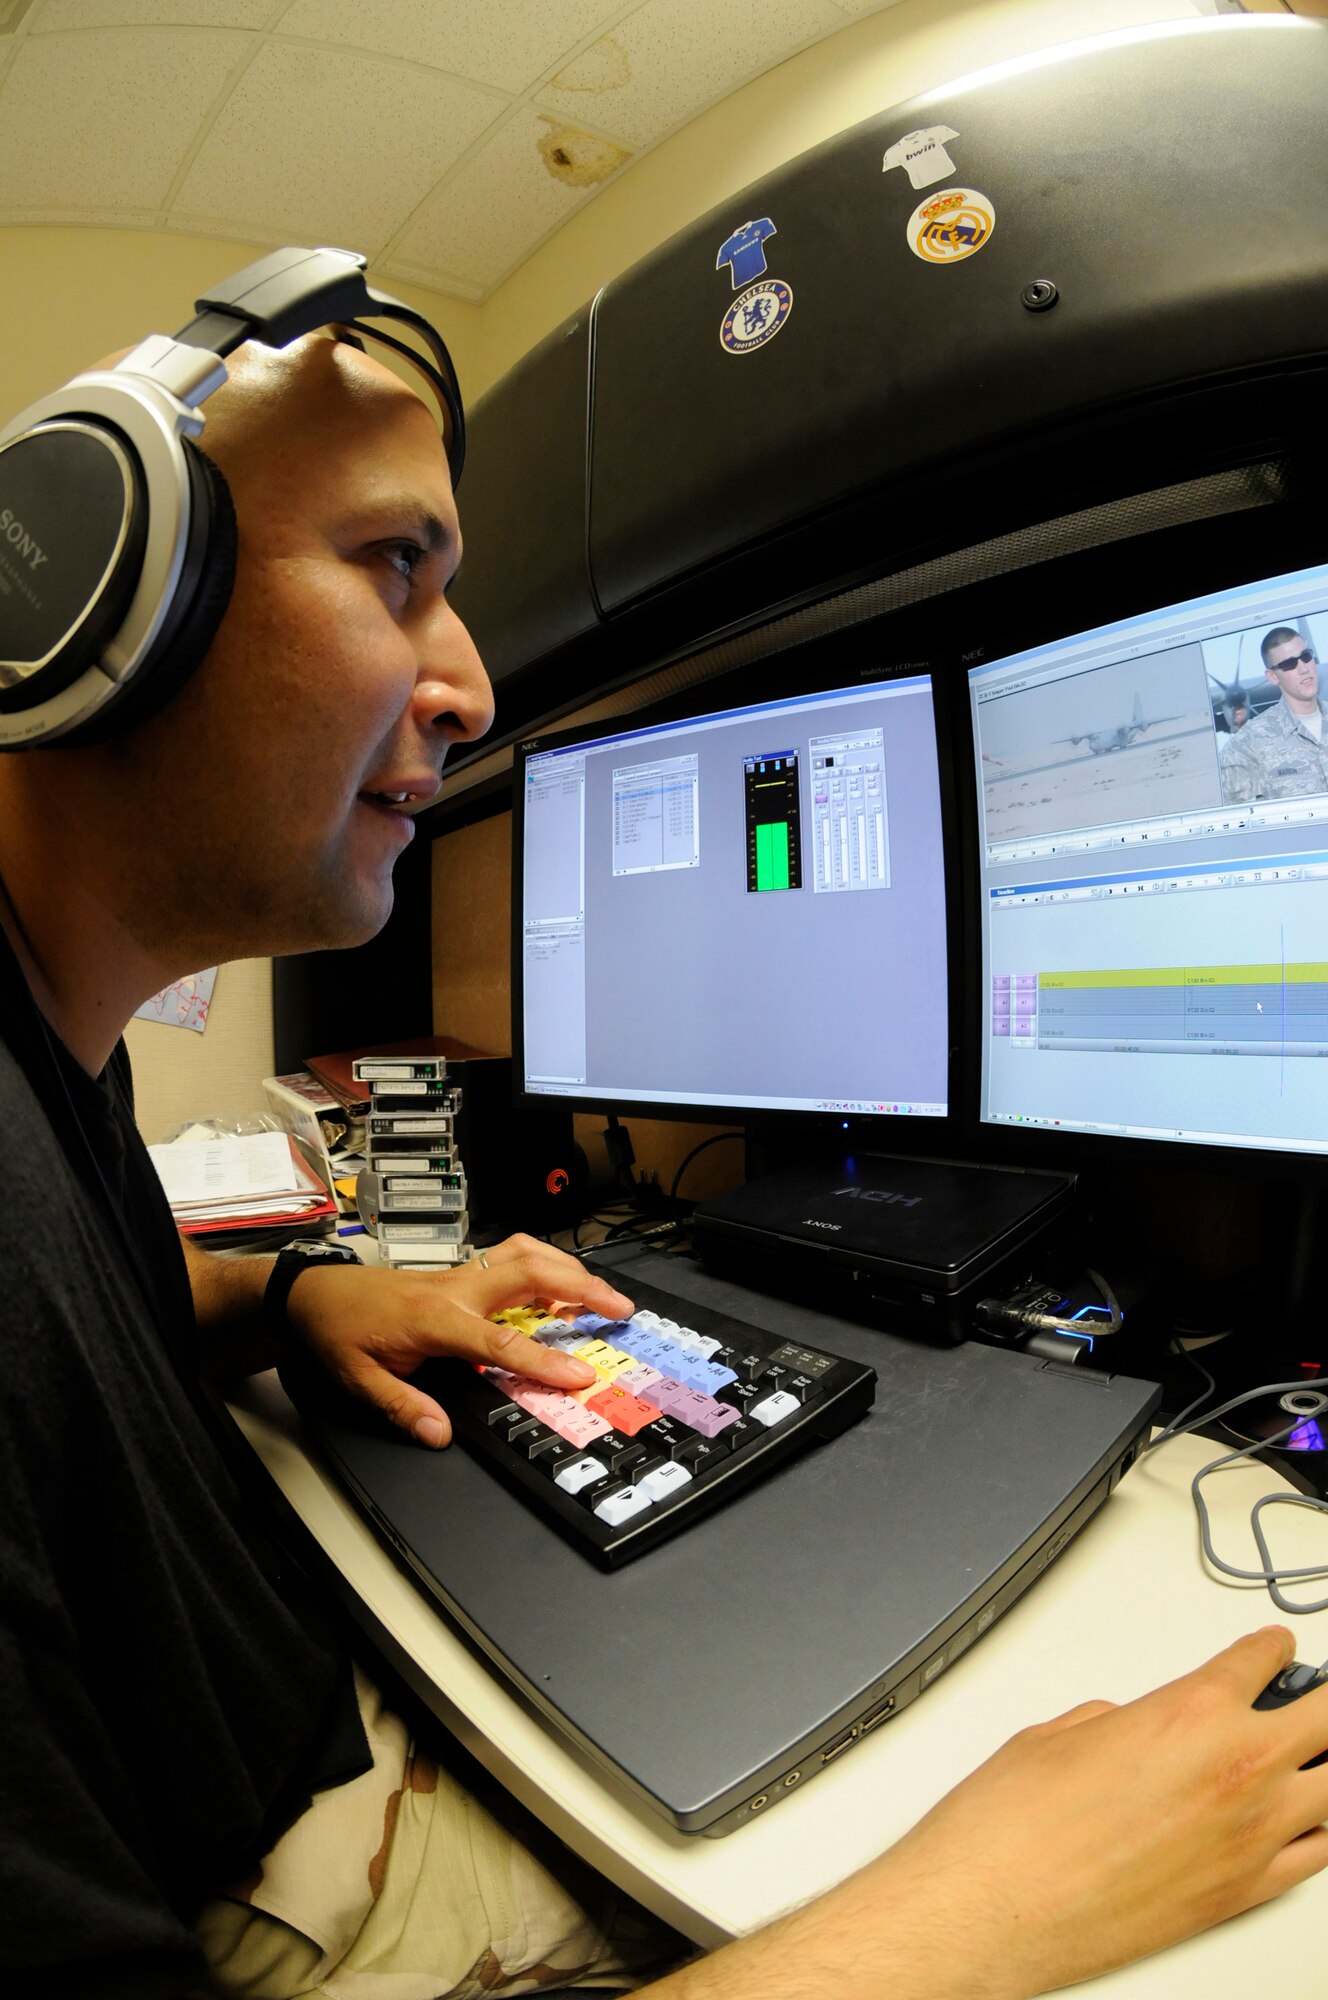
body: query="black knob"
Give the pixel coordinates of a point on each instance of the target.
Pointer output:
(1039, 294)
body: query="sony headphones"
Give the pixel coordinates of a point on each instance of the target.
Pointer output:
(117, 534)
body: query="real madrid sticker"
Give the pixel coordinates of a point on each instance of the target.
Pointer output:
(950, 226)
(756, 315)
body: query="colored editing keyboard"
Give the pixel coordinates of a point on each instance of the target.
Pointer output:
(679, 1418)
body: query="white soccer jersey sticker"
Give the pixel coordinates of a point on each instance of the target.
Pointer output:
(922, 155)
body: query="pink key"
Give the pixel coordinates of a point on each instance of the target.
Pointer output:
(582, 1428)
(640, 1380)
(549, 1405)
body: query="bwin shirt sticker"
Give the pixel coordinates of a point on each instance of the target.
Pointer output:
(922, 155)
(950, 226)
(756, 316)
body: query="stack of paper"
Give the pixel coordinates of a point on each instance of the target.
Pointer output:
(257, 1181)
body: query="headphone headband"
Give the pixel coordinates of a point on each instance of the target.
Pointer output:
(293, 292)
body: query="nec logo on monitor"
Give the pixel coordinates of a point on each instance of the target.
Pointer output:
(879, 1194)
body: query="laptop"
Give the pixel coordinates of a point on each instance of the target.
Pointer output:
(735, 1662)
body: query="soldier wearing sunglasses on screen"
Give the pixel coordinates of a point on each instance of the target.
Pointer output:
(1282, 753)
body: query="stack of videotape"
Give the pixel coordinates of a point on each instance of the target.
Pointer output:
(414, 1187)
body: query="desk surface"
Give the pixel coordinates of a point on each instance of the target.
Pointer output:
(1130, 1604)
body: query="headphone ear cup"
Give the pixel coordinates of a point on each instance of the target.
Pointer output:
(207, 578)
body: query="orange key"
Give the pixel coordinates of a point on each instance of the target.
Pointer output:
(627, 1413)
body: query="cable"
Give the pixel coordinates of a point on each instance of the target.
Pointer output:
(1024, 1320)
(608, 1215)
(1269, 1575)
(713, 1140)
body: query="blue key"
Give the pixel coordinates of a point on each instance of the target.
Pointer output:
(711, 1376)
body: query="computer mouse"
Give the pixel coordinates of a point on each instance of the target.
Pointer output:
(1289, 1686)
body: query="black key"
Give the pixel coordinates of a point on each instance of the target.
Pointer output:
(618, 1452)
(503, 1413)
(801, 1386)
(665, 1437)
(702, 1453)
(554, 1456)
(648, 1462)
(739, 1395)
(742, 1433)
(532, 1442)
(598, 1489)
(515, 1428)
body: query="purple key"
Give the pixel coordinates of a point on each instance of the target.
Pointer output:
(712, 1417)
(673, 1397)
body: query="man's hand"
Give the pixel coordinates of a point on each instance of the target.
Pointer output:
(1082, 1844)
(373, 1328)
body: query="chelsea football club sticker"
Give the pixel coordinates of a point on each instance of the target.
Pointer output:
(756, 316)
(950, 226)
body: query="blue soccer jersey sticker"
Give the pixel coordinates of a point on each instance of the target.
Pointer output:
(743, 252)
(756, 315)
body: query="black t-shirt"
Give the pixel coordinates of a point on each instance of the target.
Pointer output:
(172, 1688)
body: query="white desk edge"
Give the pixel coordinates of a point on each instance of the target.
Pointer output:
(1129, 1605)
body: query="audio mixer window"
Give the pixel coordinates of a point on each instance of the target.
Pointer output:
(850, 834)
(774, 840)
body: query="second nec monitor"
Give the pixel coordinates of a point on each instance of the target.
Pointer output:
(1153, 820)
(742, 910)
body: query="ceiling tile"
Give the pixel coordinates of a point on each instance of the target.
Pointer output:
(56, 14)
(503, 201)
(859, 8)
(506, 46)
(100, 121)
(329, 146)
(671, 58)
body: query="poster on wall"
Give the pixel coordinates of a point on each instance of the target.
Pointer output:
(183, 1004)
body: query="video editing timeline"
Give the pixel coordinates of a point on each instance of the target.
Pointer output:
(774, 831)
(1232, 1010)
(1105, 982)
(692, 930)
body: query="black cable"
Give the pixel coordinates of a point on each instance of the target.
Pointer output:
(598, 1216)
(712, 1141)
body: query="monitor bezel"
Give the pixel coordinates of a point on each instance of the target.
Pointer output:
(847, 658)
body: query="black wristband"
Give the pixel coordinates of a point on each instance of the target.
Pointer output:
(291, 1260)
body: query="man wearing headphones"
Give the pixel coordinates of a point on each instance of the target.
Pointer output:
(199, 1792)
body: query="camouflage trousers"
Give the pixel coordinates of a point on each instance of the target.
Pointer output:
(401, 1885)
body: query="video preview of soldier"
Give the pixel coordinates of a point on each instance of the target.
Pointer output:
(1269, 708)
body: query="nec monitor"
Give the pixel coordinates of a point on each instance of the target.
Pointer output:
(738, 910)
(1152, 872)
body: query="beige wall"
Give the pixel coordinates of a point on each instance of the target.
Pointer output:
(74, 294)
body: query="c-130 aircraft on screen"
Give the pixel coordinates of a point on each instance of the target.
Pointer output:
(1100, 741)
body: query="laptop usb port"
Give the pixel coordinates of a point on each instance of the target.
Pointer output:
(881, 1713)
(840, 1745)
